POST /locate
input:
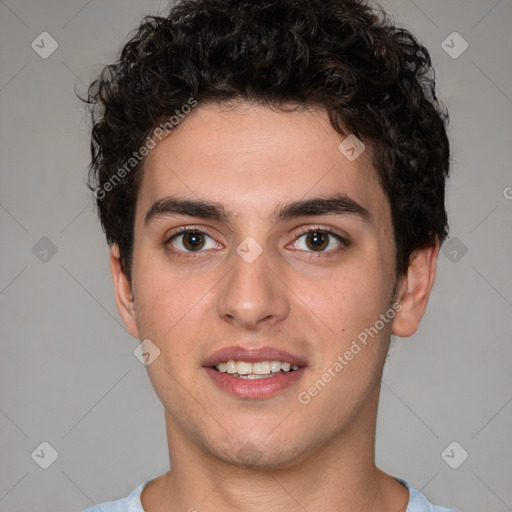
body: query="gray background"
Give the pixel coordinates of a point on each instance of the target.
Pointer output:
(68, 375)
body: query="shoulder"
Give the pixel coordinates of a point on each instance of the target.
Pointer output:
(419, 503)
(130, 503)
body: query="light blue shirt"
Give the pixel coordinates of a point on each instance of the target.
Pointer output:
(132, 503)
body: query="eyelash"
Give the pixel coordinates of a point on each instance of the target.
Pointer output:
(315, 229)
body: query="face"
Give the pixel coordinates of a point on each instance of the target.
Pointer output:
(261, 277)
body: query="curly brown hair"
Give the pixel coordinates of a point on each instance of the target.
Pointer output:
(346, 56)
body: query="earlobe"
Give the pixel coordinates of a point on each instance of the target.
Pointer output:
(123, 293)
(414, 290)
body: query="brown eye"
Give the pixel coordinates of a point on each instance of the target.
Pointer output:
(191, 240)
(317, 241)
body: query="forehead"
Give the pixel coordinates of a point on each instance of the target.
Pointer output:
(252, 158)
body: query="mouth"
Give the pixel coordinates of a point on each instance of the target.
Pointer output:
(254, 373)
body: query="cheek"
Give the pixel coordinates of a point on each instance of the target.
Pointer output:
(169, 303)
(345, 301)
(172, 311)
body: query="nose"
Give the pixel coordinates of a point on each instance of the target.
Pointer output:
(251, 296)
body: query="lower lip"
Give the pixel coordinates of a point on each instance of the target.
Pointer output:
(254, 388)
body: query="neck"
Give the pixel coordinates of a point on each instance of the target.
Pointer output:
(339, 475)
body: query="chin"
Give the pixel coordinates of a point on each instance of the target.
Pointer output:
(260, 455)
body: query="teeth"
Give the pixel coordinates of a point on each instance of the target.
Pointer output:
(253, 376)
(275, 366)
(254, 370)
(262, 368)
(243, 368)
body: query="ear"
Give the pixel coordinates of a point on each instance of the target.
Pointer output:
(414, 289)
(124, 299)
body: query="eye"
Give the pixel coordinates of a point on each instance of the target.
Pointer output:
(319, 240)
(192, 240)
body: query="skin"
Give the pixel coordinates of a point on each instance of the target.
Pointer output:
(253, 159)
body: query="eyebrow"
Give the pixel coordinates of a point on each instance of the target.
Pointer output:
(337, 204)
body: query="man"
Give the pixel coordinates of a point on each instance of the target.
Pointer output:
(270, 176)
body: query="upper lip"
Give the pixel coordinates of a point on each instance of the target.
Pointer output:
(252, 355)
